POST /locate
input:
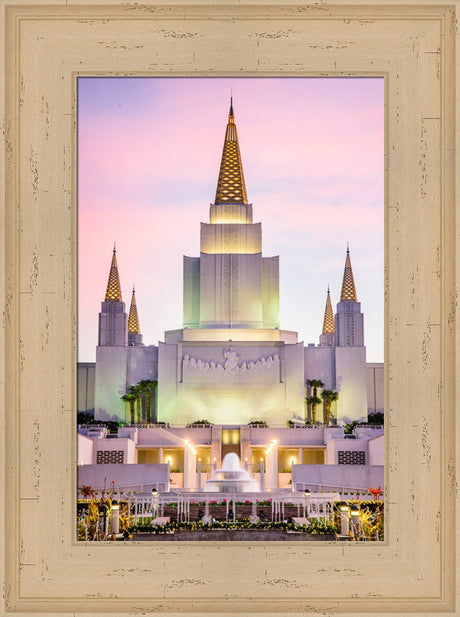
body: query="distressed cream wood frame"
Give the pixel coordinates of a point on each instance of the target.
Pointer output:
(411, 44)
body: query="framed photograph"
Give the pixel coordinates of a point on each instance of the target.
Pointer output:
(202, 407)
(412, 48)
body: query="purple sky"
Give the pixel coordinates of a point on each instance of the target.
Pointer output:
(148, 161)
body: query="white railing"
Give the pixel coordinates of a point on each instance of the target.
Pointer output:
(334, 488)
(308, 506)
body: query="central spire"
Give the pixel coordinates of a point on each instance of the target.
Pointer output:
(230, 185)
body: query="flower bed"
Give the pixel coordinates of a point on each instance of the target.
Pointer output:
(315, 527)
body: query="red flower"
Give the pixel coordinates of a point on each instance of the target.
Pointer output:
(376, 492)
(86, 491)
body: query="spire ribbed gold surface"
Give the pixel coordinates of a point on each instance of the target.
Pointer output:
(348, 285)
(113, 286)
(328, 324)
(230, 186)
(133, 319)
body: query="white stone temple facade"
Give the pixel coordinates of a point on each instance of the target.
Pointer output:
(230, 363)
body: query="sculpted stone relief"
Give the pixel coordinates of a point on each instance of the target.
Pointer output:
(231, 363)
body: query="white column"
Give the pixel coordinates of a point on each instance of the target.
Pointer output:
(272, 468)
(198, 482)
(262, 475)
(160, 455)
(189, 469)
(168, 482)
(186, 467)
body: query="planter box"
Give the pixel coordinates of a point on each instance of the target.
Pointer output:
(235, 535)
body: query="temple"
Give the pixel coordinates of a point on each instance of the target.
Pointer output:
(231, 363)
(230, 368)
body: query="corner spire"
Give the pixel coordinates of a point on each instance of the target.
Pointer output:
(348, 284)
(328, 324)
(230, 185)
(133, 319)
(113, 285)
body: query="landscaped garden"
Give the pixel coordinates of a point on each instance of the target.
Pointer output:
(96, 513)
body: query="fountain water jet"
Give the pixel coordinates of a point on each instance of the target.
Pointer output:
(231, 478)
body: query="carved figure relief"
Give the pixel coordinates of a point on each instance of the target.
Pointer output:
(230, 364)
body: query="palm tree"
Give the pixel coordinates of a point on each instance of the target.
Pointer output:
(328, 397)
(136, 391)
(315, 384)
(154, 386)
(130, 397)
(314, 399)
(146, 385)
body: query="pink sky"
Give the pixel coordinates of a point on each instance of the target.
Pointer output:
(148, 161)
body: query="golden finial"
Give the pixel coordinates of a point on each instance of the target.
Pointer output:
(133, 319)
(348, 285)
(230, 185)
(113, 286)
(328, 324)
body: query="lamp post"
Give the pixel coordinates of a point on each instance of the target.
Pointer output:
(103, 518)
(344, 518)
(115, 517)
(155, 502)
(306, 505)
(354, 512)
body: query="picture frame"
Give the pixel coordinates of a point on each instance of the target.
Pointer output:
(44, 569)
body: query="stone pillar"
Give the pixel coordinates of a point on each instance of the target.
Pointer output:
(198, 480)
(189, 469)
(245, 443)
(216, 444)
(262, 475)
(272, 469)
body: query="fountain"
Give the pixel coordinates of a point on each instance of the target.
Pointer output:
(231, 478)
